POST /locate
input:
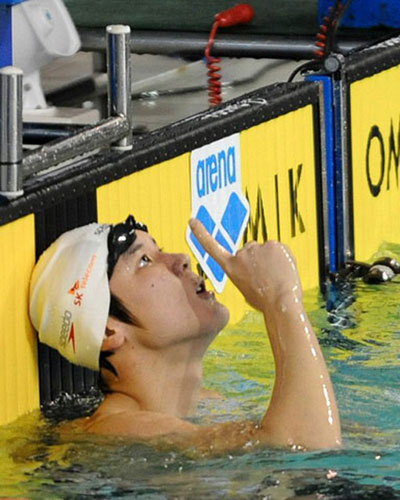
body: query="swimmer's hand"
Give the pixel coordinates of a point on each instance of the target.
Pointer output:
(263, 273)
(303, 409)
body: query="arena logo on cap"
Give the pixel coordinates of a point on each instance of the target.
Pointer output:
(218, 201)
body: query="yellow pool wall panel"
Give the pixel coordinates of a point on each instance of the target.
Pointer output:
(18, 354)
(159, 195)
(278, 165)
(375, 143)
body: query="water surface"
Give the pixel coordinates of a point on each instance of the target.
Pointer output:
(358, 326)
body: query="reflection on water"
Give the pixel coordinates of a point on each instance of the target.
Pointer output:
(359, 329)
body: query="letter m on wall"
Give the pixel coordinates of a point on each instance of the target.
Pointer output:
(295, 216)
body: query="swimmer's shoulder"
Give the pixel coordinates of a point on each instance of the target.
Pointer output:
(137, 424)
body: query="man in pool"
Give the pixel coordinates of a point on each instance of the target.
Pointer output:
(108, 298)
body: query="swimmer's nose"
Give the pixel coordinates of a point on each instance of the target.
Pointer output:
(180, 262)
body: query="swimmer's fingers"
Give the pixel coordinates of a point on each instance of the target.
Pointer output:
(239, 267)
(212, 247)
(262, 272)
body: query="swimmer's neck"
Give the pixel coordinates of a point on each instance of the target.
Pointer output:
(162, 381)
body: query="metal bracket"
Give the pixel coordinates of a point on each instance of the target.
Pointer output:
(335, 158)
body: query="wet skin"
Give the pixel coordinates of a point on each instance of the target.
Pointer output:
(163, 293)
(158, 359)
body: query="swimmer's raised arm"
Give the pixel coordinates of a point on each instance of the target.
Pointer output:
(146, 322)
(303, 409)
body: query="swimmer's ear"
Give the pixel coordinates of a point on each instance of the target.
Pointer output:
(114, 336)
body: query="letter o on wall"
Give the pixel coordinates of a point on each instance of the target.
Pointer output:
(375, 133)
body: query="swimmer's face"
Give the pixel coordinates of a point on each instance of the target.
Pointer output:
(169, 301)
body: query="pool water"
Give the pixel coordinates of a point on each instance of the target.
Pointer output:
(358, 326)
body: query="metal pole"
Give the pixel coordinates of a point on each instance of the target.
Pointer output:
(88, 140)
(119, 78)
(335, 156)
(11, 132)
(326, 170)
(343, 188)
(227, 45)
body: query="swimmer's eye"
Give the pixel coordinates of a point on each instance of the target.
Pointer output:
(144, 261)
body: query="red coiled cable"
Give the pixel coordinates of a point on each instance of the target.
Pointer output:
(213, 75)
(327, 31)
(242, 13)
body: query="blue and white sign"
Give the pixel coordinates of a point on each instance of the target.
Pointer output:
(218, 201)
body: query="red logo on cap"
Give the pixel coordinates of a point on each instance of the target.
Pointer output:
(71, 337)
(74, 288)
(82, 284)
(78, 297)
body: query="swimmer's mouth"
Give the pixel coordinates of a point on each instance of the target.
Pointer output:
(202, 291)
(201, 287)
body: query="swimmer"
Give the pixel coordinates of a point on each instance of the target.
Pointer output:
(108, 298)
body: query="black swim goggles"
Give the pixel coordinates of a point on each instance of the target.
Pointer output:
(120, 238)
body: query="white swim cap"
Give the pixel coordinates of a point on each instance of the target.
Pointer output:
(70, 294)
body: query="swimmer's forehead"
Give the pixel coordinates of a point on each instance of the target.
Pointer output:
(142, 240)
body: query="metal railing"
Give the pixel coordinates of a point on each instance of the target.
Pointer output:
(115, 131)
(192, 45)
(11, 132)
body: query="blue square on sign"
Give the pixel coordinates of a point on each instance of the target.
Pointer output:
(203, 215)
(215, 268)
(233, 217)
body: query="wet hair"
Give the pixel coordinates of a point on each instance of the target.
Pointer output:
(118, 311)
(120, 238)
